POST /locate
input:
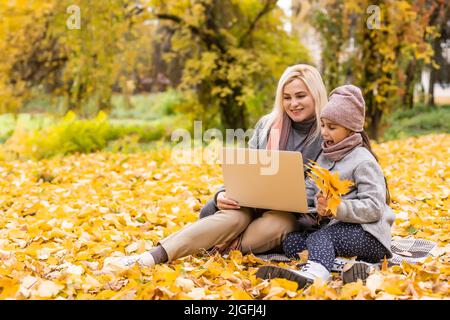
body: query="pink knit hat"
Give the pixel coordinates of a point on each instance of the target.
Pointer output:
(346, 107)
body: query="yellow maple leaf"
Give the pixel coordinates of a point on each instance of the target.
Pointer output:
(241, 295)
(329, 184)
(350, 290)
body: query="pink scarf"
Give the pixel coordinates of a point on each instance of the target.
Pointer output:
(279, 133)
(339, 150)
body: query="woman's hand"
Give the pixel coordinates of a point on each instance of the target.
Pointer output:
(224, 203)
(322, 204)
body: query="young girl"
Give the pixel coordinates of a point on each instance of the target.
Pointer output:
(362, 225)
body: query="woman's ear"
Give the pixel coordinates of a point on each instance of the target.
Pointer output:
(350, 133)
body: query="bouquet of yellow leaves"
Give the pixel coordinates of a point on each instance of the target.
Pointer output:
(329, 184)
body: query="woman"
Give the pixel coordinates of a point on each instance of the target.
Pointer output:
(292, 125)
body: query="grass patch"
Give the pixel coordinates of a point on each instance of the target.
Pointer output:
(420, 120)
(146, 106)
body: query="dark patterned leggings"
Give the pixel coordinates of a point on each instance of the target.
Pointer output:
(341, 239)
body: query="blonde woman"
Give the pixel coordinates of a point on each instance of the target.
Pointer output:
(292, 125)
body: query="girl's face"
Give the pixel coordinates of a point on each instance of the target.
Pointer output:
(333, 133)
(298, 101)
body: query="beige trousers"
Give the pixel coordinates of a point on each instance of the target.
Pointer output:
(259, 235)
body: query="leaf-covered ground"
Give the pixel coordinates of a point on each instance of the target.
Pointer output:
(60, 218)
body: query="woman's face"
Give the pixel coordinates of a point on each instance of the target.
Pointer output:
(298, 101)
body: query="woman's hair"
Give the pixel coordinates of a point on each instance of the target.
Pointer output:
(313, 81)
(366, 144)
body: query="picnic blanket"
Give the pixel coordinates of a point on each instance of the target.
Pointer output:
(411, 250)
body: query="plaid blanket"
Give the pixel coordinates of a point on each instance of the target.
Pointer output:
(409, 249)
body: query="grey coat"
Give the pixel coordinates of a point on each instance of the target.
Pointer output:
(365, 203)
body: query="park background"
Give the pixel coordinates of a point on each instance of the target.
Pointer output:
(91, 91)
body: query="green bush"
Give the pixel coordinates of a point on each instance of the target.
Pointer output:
(125, 144)
(145, 133)
(5, 135)
(417, 121)
(64, 137)
(70, 135)
(147, 107)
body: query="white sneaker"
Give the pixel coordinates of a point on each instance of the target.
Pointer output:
(303, 277)
(313, 270)
(126, 262)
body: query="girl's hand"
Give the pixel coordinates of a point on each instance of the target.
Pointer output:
(224, 203)
(322, 204)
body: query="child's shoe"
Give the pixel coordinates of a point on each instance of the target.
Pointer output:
(125, 262)
(359, 270)
(304, 277)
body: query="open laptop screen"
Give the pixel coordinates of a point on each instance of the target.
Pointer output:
(270, 179)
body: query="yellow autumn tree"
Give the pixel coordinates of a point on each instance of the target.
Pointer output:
(22, 25)
(372, 44)
(233, 53)
(70, 49)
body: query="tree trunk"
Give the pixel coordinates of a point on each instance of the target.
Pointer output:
(440, 18)
(375, 115)
(431, 102)
(374, 125)
(163, 73)
(74, 100)
(408, 97)
(232, 114)
(105, 105)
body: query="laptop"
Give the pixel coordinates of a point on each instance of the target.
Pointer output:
(265, 179)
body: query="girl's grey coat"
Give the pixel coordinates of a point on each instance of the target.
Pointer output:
(365, 203)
